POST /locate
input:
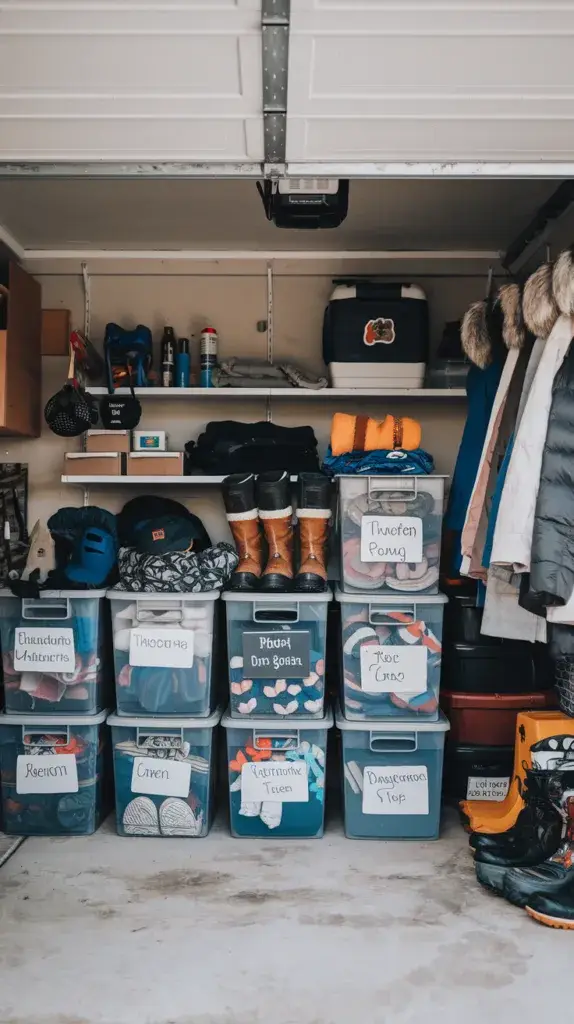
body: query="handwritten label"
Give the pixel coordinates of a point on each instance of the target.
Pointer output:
(391, 539)
(394, 669)
(163, 648)
(160, 777)
(44, 649)
(284, 782)
(46, 773)
(276, 654)
(479, 788)
(396, 789)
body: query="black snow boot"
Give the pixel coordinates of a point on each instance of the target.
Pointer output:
(530, 847)
(556, 911)
(537, 812)
(243, 518)
(313, 515)
(276, 515)
(522, 882)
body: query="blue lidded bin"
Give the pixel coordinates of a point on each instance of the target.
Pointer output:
(164, 771)
(287, 634)
(55, 652)
(53, 771)
(163, 653)
(277, 777)
(392, 778)
(391, 656)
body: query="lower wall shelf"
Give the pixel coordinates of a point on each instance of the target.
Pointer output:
(189, 481)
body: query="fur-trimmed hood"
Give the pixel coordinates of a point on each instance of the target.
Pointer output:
(491, 324)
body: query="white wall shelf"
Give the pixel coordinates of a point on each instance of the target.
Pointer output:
(129, 481)
(325, 393)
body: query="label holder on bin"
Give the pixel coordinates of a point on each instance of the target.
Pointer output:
(378, 615)
(393, 743)
(268, 613)
(257, 735)
(149, 606)
(50, 608)
(61, 732)
(399, 494)
(143, 733)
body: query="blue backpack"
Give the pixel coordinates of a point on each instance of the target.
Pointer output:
(128, 356)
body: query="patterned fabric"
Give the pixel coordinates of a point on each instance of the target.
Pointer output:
(177, 572)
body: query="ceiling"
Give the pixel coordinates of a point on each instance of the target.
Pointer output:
(155, 213)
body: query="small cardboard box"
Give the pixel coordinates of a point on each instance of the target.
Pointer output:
(93, 464)
(107, 440)
(55, 332)
(154, 464)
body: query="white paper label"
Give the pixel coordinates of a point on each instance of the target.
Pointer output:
(46, 773)
(397, 789)
(480, 788)
(44, 649)
(391, 539)
(284, 782)
(162, 648)
(161, 777)
(394, 669)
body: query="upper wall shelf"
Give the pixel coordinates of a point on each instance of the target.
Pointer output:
(337, 393)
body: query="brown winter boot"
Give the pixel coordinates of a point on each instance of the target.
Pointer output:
(242, 516)
(313, 515)
(276, 515)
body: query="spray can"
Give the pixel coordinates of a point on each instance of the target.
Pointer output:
(182, 364)
(167, 357)
(207, 356)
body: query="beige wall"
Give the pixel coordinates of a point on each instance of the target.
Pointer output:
(233, 298)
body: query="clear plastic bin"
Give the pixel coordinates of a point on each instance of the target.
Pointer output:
(55, 652)
(277, 777)
(53, 771)
(163, 653)
(392, 649)
(390, 530)
(164, 771)
(392, 777)
(286, 635)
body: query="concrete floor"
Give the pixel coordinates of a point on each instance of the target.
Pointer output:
(105, 930)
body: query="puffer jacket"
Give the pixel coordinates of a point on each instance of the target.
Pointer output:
(551, 580)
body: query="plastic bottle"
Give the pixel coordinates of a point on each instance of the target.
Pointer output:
(207, 355)
(182, 364)
(167, 357)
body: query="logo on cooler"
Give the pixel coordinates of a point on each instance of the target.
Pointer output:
(379, 332)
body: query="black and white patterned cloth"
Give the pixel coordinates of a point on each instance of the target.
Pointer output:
(177, 572)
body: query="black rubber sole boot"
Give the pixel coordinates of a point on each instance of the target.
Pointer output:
(310, 583)
(521, 884)
(274, 582)
(491, 876)
(244, 581)
(556, 910)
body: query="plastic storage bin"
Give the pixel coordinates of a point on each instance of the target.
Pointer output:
(53, 773)
(392, 778)
(277, 777)
(485, 719)
(163, 650)
(276, 645)
(55, 652)
(391, 656)
(164, 775)
(473, 772)
(391, 533)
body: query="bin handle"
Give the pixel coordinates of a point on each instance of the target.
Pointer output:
(405, 493)
(28, 735)
(47, 609)
(265, 613)
(170, 734)
(392, 742)
(377, 611)
(149, 605)
(261, 735)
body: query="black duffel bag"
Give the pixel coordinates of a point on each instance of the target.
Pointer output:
(231, 447)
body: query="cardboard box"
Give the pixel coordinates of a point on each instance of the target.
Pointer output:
(93, 464)
(107, 440)
(154, 464)
(55, 332)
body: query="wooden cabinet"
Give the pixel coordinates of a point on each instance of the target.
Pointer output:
(20, 357)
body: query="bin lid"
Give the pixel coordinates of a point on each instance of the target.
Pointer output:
(169, 722)
(51, 594)
(31, 719)
(274, 725)
(259, 597)
(500, 701)
(392, 476)
(390, 724)
(390, 600)
(161, 598)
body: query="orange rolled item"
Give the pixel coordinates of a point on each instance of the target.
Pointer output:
(361, 433)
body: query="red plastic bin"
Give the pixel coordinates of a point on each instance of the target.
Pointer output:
(489, 719)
